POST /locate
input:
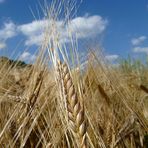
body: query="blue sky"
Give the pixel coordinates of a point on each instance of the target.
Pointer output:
(119, 26)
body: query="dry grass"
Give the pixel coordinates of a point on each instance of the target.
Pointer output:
(55, 105)
(38, 110)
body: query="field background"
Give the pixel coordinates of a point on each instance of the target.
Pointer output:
(64, 99)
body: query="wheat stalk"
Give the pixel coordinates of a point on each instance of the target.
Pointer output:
(76, 117)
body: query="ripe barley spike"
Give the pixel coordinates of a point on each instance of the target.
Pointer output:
(75, 110)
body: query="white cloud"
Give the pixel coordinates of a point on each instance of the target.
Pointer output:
(88, 26)
(1, 1)
(82, 27)
(141, 50)
(139, 40)
(112, 58)
(2, 45)
(27, 56)
(33, 28)
(9, 30)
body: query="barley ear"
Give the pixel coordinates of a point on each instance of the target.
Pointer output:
(76, 113)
